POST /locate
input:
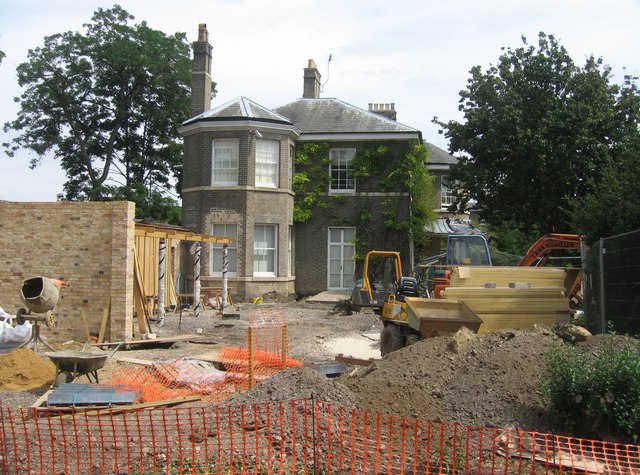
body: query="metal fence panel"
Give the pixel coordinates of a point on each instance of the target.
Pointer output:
(612, 284)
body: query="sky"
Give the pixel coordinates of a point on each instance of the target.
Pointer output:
(416, 54)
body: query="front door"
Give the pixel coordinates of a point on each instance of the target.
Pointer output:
(341, 265)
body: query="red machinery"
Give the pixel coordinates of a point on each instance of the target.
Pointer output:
(539, 252)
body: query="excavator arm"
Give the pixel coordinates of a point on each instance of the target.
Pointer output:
(541, 249)
(539, 253)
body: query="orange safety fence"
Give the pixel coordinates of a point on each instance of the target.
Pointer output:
(288, 437)
(265, 353)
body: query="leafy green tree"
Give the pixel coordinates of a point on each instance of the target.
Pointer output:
(2, 55)
(537, 132)
(613, 207)
(107, 103)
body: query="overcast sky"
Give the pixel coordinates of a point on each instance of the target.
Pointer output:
(414, 53)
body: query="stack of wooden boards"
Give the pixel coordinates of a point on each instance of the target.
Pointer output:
(511, 297)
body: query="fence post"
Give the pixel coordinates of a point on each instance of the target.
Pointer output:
(603, 317)
(252, 356)
(314, 411)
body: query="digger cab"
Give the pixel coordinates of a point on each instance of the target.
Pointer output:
(381, 272)
(468, 250)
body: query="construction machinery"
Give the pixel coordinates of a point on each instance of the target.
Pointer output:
(382, 273)
(409, 315)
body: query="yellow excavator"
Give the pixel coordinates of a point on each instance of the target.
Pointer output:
(382, 273)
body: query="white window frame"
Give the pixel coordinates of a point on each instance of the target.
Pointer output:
(267, 163)
(225, 162)
(342, 164)
(342, 245)
(232, 248)
(447, 196)
(261, 248)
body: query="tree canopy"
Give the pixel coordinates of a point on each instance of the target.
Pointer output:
(106, 103)
(538, 130)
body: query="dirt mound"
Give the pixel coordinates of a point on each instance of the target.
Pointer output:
(486, 380)
(21, 369)
(275, 297)
(297, 383)
(473, 380)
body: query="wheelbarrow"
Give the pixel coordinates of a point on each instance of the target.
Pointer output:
(70, 365)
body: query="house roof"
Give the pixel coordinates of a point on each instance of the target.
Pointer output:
(240, 108)
(445, 225)
(439, 156)
(332, 116)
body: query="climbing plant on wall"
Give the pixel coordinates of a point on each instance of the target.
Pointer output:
(399, 172)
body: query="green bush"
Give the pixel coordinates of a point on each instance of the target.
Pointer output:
(597, 390)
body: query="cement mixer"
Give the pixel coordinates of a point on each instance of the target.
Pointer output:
(40, 295)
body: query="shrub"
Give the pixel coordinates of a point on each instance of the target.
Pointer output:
(600, 389)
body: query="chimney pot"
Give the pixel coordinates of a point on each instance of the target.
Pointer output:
(203, 34)
(385, 109)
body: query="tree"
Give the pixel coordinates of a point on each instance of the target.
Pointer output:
(538, 130)
(107, 104)
(2, 55)
(612, 208)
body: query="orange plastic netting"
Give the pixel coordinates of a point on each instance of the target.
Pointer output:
(237, 369)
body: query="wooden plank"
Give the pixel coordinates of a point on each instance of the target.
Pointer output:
(140, 297)
(138, 361)
(341, 358)
(503, 321)
(86, 325)
(502, 276)
(189, 337)
(212, 356)
(106, 311)
(517, 305)
(123, 408)
(455, 293)
(33, 409)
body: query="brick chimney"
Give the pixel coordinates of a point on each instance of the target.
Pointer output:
(387, 110)
(311, 81)
(201, 72)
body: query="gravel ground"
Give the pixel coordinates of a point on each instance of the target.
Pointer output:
(488, 380)
(312, 328)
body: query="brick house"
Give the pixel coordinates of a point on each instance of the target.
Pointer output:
(439, 164)
(237, 182)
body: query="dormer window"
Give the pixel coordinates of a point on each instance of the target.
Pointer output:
(341, 169)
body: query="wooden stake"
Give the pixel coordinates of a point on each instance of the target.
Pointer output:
(106, 311)
(86, 325)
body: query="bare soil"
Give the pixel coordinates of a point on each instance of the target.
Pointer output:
(488, 380)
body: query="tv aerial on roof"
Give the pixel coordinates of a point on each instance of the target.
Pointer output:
(328, 61)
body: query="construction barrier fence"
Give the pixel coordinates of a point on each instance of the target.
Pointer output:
(264, 354)
(288, 437)
(611, 270)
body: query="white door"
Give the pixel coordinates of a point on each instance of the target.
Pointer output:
(341, 265)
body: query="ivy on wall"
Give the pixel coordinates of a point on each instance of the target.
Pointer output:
(403, 172)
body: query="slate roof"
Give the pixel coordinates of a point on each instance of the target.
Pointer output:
(322, 116)
(444, 226)
(438, 156)
(240, 108)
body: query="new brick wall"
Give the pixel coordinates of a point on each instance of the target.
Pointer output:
(88, 245)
